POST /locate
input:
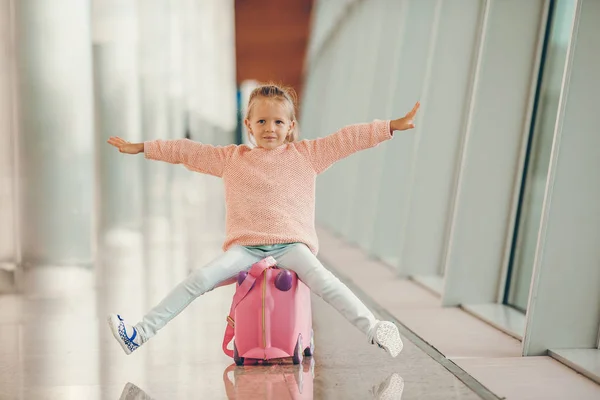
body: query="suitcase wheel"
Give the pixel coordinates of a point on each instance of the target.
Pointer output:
(236, 357)
(310, 350)
(297, 358)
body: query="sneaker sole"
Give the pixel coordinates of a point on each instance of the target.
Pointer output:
(113, 323)
(388, 336)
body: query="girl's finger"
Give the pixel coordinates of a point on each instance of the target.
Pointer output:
(415, 109)
(116, 144)
(116, 141)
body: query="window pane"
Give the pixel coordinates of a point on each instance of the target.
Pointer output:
(532, 196)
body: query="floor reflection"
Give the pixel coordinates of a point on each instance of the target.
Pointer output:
(391, 388)
(276, 381)
(133, 392)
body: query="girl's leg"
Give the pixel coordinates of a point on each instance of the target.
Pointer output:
(323, 283)
(200, 281)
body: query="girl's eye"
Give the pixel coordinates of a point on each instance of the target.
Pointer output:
(279, 122)
(261, 121)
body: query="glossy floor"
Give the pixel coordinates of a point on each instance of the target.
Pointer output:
(55, 343)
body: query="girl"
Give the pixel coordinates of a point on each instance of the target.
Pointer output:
(270, 204)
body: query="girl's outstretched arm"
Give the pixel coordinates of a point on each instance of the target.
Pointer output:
(199, 157)
(321, 153)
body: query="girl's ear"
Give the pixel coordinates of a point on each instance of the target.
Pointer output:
(292, 125)
(247, 123)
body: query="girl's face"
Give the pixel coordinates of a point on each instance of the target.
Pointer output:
(269, 123)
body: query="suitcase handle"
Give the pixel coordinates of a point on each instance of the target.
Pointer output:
(255, 271)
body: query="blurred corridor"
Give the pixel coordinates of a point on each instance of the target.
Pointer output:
(476, 232)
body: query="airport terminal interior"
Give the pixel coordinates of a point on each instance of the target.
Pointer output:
(476, 232)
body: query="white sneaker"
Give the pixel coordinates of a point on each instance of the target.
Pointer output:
(126, 334)
(386, 335)
(389, 389)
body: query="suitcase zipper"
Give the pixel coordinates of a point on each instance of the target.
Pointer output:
(264, 295)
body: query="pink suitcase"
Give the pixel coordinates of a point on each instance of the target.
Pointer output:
(270, 316)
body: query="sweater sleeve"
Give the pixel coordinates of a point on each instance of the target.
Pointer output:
(323, 152)
(199, 157)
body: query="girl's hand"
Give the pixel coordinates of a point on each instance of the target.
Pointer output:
(406, 122)
(124, 146)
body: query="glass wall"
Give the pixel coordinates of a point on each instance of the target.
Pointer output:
(498, 185)
(539, 149)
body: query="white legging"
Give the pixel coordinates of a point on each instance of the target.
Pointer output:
(296, 257)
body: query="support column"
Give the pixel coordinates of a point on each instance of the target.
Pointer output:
(56, 131)
(117, 109)
(153, 32)
(8, 210)
(56, 167)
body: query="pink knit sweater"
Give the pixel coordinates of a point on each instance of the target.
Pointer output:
(270, 194)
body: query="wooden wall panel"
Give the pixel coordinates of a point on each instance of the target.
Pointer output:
(271, 40)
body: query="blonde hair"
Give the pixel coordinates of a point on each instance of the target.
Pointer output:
(286, 95)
